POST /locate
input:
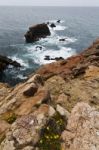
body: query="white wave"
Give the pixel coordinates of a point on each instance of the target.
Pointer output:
(20, 76)
(20, 61)
(59, 28)
(55, 40)
(55, 21)
(38, 56)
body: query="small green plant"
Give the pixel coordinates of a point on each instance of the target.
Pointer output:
(11, 118)
(51, 133)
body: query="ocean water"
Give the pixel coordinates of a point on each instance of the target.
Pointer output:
(80, 27)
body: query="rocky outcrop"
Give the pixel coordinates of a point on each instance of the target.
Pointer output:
(57, 108)
(82, 131)
(36, 32)
(4, 62)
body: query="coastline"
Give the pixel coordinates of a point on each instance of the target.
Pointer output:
(60, 102)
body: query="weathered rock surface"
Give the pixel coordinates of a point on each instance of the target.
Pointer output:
(36, 32)
(82, 131)
(4, 62)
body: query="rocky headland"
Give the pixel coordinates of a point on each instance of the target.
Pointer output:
(55, 109)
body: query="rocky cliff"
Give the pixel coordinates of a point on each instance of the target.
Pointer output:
(55, 109)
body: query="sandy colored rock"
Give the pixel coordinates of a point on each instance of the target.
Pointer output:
(25, 130)
(62, 111)
(82, 132)
(39, 98)
(3, 126)
(16, 97)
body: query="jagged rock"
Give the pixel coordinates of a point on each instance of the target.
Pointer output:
(4, 62)
(36, 32)
(30, 90)
(82, 131)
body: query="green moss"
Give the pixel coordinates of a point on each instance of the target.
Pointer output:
(51, 133)
(11, 119)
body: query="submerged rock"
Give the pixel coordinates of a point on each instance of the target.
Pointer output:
(36, 32)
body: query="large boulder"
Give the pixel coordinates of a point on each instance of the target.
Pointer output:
(82, 131)
(36, 32)
(5, 61)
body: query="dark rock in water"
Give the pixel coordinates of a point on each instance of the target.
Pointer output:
(58, 21)
(56, 58)
(4, 62)
(39, 47)
(62, 40)
(52, 25)
(47, 58)
(36, 32)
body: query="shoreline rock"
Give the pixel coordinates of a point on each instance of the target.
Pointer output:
(36, 32)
